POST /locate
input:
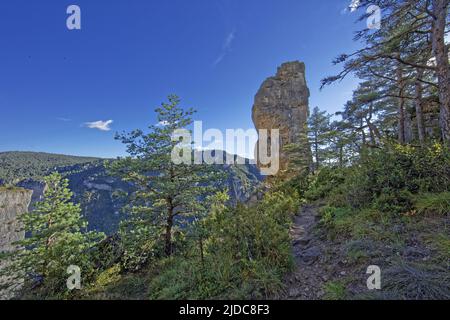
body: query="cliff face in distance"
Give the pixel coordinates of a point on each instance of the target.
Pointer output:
(13, 202)
(282, 103)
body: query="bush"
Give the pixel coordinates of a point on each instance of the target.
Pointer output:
(324, 182)
(433, 203)
(417, 282)
(335, 291)
(388, 177)
(394, 201)
(245, 255)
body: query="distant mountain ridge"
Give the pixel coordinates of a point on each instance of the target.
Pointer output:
(19, 165)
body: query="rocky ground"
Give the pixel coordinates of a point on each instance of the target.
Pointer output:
(413, 264)
(319, 261)
(307, 281)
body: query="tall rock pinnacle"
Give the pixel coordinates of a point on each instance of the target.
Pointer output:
(282, 103)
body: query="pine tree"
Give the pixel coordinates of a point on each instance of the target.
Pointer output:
(168, 196)
(318, 126)
(56, 238)
(399, 55)
(341, 146)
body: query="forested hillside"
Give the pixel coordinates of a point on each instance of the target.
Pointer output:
(16, 166)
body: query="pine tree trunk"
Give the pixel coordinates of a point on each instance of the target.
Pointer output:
(370, 125)
(168, 235)
(401, 105)
(440, 51)
(316, 147)
(363, 133)
(418, 104)
(371, 134)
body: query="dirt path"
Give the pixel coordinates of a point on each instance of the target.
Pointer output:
(309, 277)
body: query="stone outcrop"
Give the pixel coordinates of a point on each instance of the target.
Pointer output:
(282, 103)
(37, 187)
(13, 202)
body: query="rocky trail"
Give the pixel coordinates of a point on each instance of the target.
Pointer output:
(308, 279)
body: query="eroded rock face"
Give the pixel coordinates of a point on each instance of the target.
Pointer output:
(282, 103)
(13, 202)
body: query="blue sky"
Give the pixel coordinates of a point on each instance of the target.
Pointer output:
(130, 54)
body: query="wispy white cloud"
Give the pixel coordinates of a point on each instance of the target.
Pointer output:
(229, 40)
(226, 47)
(100, 125)
(63, 119)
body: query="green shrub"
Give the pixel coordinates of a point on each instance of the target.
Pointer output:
(433, 203)
(246, 253)
(324, 182)
(335, 291)
(387, 177)
(394, 201)
(329, 214)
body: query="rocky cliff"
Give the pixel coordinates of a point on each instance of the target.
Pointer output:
(282, 103)
(13, 202)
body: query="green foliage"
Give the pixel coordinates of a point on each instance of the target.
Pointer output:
(108, 277)
(319, 128)
(438, 203)
(113, 284)
(16, 166)
(357, 224)
(246, 253)
(140, 242)
(330, 214)
(55, 240)
(388, 178)
(394, 201)
(168, 196)
(439, 240)
(335, 291)
(324, 182)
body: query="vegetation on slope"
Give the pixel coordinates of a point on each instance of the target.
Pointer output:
(391, 209)
(183, 239)
(16, 166)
